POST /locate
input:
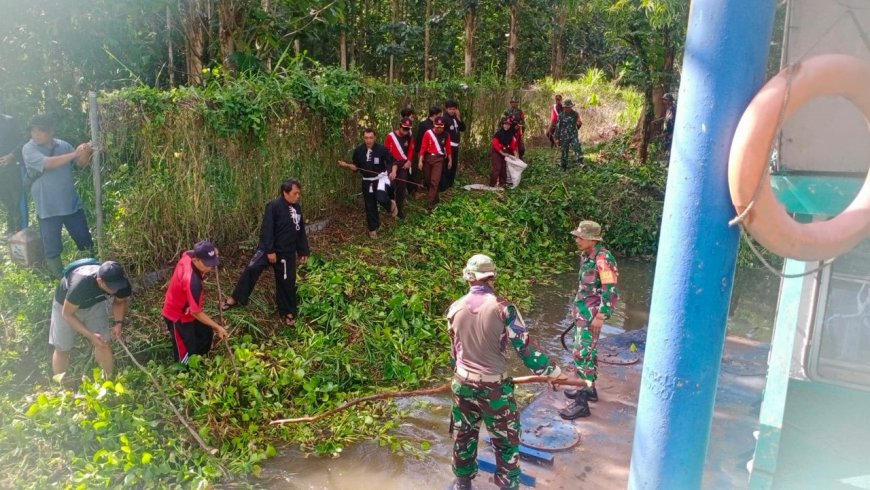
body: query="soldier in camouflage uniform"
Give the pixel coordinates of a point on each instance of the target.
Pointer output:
(518, 117)
(596, 297)
(566, 133)
(481, 325)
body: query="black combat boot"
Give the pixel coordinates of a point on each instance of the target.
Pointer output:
(578, 408)
(461, 483)
(591, 393)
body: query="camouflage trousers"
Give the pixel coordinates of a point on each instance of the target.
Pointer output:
(585, 353)
(493, 403)
(567, 145)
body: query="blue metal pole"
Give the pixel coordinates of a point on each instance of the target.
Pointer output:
(723, 67)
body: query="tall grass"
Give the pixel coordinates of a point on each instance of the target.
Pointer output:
(202, 162)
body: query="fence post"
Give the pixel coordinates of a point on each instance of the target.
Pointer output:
(96, 140)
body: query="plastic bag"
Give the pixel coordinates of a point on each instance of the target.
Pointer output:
(515, 168)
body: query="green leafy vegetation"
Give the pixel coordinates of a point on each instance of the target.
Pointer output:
(371, 318)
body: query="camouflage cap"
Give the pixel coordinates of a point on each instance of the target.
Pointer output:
(588, 230)
(568, 103)
(514, 99)
(479, 267)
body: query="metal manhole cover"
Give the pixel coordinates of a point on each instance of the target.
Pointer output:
(547, 432)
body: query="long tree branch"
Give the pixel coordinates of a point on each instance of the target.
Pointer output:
(445, 388)
(181, 418)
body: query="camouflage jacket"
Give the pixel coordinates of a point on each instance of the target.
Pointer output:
(568, 124)
(598, 277)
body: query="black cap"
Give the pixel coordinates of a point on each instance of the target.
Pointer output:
(42, 121)
(112, 274)
(207, 253)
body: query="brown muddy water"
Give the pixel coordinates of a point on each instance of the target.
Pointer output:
(368, 466)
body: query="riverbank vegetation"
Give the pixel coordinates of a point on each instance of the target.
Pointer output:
(371, 319)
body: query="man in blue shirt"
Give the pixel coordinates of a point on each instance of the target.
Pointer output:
(49, 164)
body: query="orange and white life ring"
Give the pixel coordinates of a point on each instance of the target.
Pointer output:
(767, 220)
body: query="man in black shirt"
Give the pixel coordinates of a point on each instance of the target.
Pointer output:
(11, 190)
(283, 245)
(374, 162)
(80, 306)
(453, 126)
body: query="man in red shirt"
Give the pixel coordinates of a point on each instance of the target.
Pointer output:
(190, 328)
(555, 111)
(401, 145)
(434, 151)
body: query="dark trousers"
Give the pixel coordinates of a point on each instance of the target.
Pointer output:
(285, 281)
(25, 194)
(415, 175)
(522, 148)
(448, 176)
(76, 225)
(10, 196)
(498, 170)
(433, 166)
(189, 338)
(371, 198)
(400, 189)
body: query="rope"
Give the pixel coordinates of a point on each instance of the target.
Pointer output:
(779, 273)
(396, 179)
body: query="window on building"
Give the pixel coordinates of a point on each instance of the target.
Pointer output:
(841, 339)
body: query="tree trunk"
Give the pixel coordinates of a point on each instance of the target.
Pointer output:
(266, 55)
(426, 41)
(470, 28)
(556, 71)
(646, 124)
(230, 18)
(342, 49)
(394, 18)
(512, 42)
(170, 51)
(196, 35)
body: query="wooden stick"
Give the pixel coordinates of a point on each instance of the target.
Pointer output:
(217, 276)
(445, 388)
(209, 450)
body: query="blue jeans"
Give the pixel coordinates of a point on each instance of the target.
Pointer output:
(77, 227)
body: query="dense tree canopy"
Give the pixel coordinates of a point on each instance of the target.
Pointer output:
(52, 51)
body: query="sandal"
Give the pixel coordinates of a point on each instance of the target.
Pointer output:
(290, 319)
(226, 305)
